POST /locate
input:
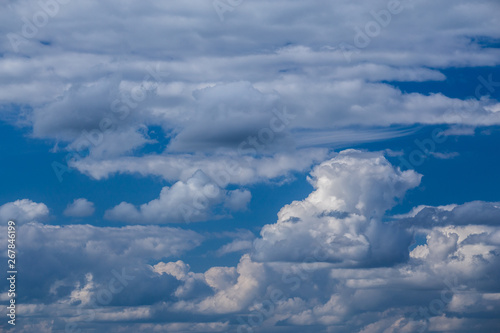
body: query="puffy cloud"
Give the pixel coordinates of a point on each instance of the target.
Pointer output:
(235, 296)
(80, 208)
(365, 278)
(340, 221)
(238, 199)
(23, 211)
(193, 284)
(177, 269)
(191, 201)
(438, 285)
(217, 95)
(225, 79)
(89, 274)
(470, 213)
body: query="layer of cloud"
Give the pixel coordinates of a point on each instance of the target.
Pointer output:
(440, 284)
(223, 169)
(365, 277)
(239, 100)
(76, 88)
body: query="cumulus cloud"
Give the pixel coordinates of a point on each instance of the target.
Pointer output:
(332, 262)
(439, 284)
(69, 267)
(475, 212)
(189, 201)
(341, 220)
(365, 277)
(218, 95)
(23, 211)
(80, 208)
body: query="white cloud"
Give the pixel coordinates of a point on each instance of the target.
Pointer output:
(177, 269)
(364, 279)
(189, 201)
(223, 169)
(474, 212)
(415, 210)
(340, 220)
(224, 81)
(23, 211)
(235, 246)
(66, 265)
(442, 283)
(238, 199)
(80, 208)
(215, 96)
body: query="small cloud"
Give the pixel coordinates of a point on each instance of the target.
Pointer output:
(394, 153)
(23, 210)
(444, 156)
(80, 208)
(238, 200)
(459, 130)
(418, 209)
(493, 108)
(237, 245)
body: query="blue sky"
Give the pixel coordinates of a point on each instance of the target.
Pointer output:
(264, 166)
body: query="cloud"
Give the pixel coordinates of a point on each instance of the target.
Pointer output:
(470, 213)
(94, 80)
(23, 211)
(242, 241)
(238, 200)
(444, 156)
(66, 265)
(80, 208)
(223, 169)
(441, 283)
(341, 220)
(235, 246)
(189, 201)
(211, 98)
(365, 277)
(231, 296)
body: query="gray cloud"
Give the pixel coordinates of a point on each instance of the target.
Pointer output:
(214, 84)
(366, 280)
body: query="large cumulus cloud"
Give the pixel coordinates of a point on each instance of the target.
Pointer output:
(326, 273)
(342, 217)
(332, 262)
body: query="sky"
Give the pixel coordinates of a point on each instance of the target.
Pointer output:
(251, 166)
